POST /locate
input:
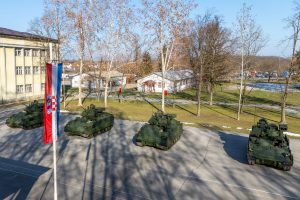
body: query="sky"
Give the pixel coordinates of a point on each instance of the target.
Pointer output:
(269, 14)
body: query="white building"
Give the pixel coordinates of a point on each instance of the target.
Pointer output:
(116, 78)
(175, 81)
(85, 83)
(90, 80)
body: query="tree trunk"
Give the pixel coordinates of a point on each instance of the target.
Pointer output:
(162, 92)
(199, 99)
(283, 102)
(242, 104)
(107, 84)
(242, 77)
(163, 66)
(211, 97)
(80, 79)
(105, 93)
(211, 94)
(98, 90)
(243, 98)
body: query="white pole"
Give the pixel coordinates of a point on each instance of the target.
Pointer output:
(64, 88)
(242, 70)
(54, 131)
(54, 136)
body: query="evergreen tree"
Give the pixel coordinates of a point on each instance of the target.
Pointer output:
(146, 65)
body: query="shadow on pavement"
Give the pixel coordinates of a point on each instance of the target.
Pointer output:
(235, 146)
(16, 183)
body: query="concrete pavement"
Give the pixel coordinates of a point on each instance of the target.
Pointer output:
(203, 164)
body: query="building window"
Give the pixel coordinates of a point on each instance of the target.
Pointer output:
(42, 86)
(159, 84)
(19, 71)
(27, 52)
(19, 89)
(36, 70)
(28, 88)
(42, 70)
(27, 70)
(35, 53)
(43, 53)
(18, 52)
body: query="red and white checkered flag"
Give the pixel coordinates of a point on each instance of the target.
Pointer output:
(54, 103)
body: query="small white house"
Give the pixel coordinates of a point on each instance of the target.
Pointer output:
(116, 78)
(175, 81)
(85, 83)
(89, 80)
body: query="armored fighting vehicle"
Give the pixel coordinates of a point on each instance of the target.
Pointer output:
(93, 122)
(268, 145)
(162, 131)
(32, 117)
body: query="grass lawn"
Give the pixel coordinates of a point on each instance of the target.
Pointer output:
(223, 94)
(231, 96)
(213, 116)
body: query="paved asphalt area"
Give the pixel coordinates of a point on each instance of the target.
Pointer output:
(203, 164)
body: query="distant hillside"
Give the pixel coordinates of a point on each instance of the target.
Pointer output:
(258, 63)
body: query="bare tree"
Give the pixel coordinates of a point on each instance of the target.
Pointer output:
(95, 68)
(293, 70)
(196, 55)
(210, 48)
(137, 51)
(113, 34)
(79, 25)
(164, 21)
(217, 51)
(52, 24)
(250, 41)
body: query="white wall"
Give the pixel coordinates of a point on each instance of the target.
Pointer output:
(169, 85)
(84, 84)
(184, 84)
(156, 79)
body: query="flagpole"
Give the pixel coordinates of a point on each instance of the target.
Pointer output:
(54, 133)
(64, 88)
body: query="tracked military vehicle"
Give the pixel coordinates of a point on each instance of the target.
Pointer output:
(94, 121)
(268, 145)
(32, 117)
(162, 132)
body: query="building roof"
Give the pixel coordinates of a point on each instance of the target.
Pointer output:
(177, 75)
(113, 73)
(24, 35)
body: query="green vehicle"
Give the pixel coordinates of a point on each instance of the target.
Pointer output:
(162, 132)
(268, 145)
(92, 123)
(32, 117)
